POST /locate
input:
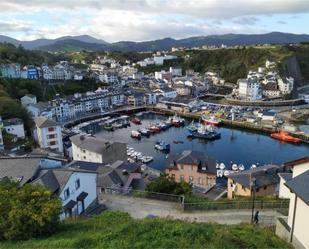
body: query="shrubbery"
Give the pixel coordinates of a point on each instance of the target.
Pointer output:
(168, 185)
(27, 211)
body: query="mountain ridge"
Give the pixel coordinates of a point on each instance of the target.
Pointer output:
(87, 42)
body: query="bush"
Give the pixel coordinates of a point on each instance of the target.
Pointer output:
(27, 211)
(168, 185)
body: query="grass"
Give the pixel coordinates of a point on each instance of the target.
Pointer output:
(119, 230)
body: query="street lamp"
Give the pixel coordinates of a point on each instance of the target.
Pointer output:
(253, 185)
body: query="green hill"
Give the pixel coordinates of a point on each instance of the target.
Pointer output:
(118, 230)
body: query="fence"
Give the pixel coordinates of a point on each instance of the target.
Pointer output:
(280, 205)
(145, 194)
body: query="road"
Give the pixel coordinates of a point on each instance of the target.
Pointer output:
(140, 208)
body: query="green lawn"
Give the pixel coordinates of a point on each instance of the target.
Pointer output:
(118, 230)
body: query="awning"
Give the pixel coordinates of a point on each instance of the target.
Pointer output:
(82, 196)
(69, 205)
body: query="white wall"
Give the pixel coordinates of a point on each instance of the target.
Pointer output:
(85, 155)
(284, 192)
(17, 130)
(87, 184)
(301, 223)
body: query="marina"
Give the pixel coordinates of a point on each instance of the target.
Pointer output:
(243, 148)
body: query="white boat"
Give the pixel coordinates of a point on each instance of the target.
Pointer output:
(147, 159)
(226, 173)
(241, 167)
(135, 134)
(212, 120)
(234, 166)
(253, 166)
(220, 173)
(222, 166)
(217, 165)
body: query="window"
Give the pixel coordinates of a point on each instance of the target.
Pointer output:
(66, 193)
(191, 179)
(257, 190)
(182, 178)
(77, 184)
(265, 187)
(51, 129)
(181, 166)
(200, 181)
(173, 175)
(52, 143)
(84, 151)
(51, 136)
(84, 157)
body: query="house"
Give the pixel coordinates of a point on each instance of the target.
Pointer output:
(136, 99)
(263, 181)
(118, 175)
(192, 167)
(25, 169)
(166, 92)
(249, 89)
(271, 90)
(284, 192)
(47, 134)
(293, 227)
(14, 126)
(28, 99)
(268, 116)
(91, 149)
(40, 109)
(75, 187)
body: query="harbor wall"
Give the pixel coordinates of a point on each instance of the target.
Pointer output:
(265, 103)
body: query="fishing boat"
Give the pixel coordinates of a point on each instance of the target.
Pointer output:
(162, 126)
(177, 121)
(135, 134)
(203, 133)
(163, 146)
(178, 142)
(136, 121)
(144, 132)
(192, 127)
(154, 128)
(285, 137)
(212, 120)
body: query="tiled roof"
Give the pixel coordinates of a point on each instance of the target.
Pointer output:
(300, 186)
(264, 176)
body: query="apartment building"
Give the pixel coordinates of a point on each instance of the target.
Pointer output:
(47, 134)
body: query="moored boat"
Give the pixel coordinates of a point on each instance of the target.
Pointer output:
(212, 120)
(144, 132)
(192, 127)
(163, 146)
(285, 137)
(135, 134)
(136, 121)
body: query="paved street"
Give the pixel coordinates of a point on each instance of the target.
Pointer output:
(141, 208)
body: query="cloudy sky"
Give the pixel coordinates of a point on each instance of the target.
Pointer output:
(137, 20)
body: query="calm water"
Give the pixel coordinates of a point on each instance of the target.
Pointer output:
(235, 145)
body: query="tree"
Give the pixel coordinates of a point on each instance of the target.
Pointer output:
(27, 211)
(168, 185)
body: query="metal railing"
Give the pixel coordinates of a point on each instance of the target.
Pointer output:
(223, 205)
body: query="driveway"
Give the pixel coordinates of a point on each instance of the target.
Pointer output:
(140, 208)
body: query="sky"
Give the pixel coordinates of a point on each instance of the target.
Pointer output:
(140, 20)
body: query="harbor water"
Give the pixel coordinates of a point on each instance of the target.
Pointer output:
(237, 146)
